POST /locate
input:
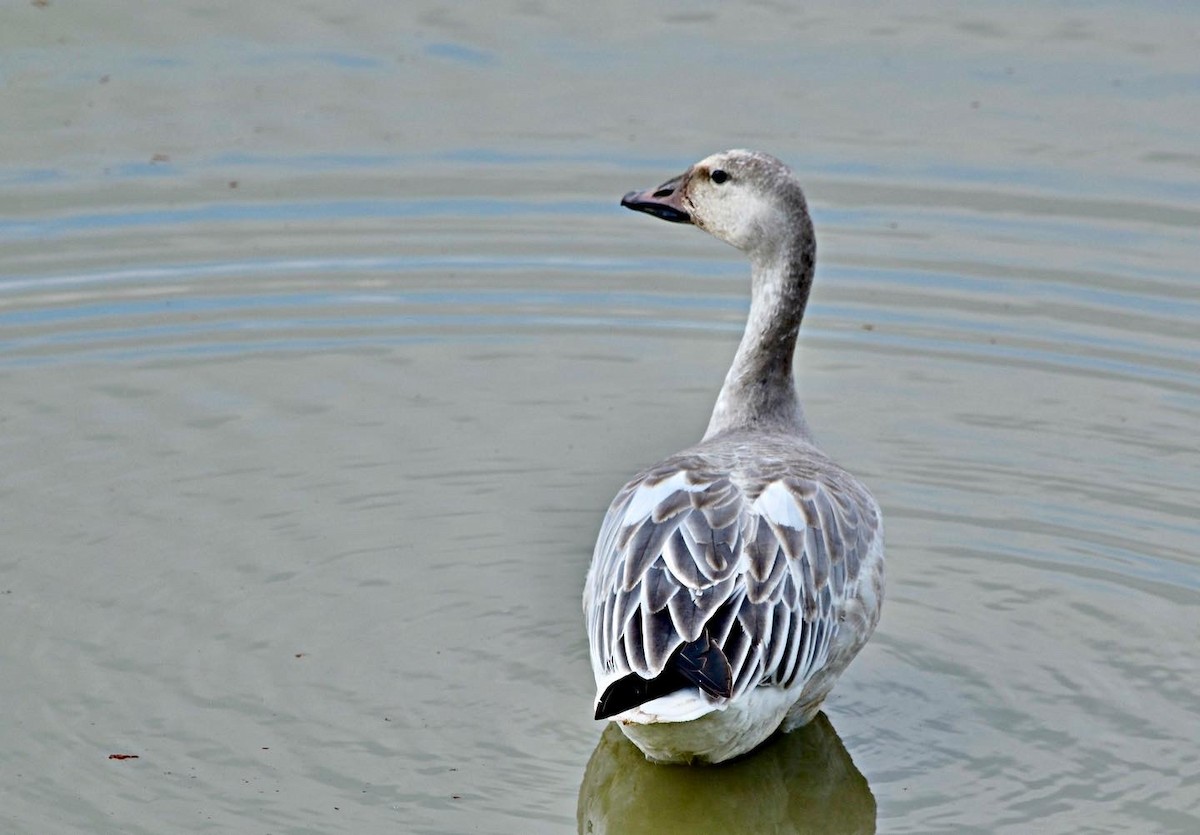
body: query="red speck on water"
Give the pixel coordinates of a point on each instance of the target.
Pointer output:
(123, 757)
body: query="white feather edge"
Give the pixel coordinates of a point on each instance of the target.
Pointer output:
(777, 504)
(680, 706)
(647, 497)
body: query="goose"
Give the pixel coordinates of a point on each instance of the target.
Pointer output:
(733, 582)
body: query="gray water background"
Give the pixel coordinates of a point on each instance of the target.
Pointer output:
(324, 345)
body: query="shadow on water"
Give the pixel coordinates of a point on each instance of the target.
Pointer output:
(802, 782)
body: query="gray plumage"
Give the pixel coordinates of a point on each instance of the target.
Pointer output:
(751, 547)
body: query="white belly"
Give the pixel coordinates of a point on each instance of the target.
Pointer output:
(718, 735)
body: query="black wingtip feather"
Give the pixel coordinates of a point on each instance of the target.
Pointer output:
(698, 664)
(703, 664)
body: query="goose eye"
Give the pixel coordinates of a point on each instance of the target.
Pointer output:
(719, 176)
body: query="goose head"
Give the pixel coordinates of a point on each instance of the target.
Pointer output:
(748, 199)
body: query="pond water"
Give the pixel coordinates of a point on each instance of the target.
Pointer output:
(324, 345)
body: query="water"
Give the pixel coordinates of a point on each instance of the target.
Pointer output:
(324, 345)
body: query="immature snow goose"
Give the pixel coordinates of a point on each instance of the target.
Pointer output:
(734, 581)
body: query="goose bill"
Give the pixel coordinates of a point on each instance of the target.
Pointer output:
(665, 202)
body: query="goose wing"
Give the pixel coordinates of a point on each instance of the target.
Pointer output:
(687, 560)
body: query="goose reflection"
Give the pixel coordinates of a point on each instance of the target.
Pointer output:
(802, 782)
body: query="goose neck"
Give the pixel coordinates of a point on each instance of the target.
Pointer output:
(759, 391)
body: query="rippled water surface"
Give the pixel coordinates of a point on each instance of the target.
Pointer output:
(324, 345)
